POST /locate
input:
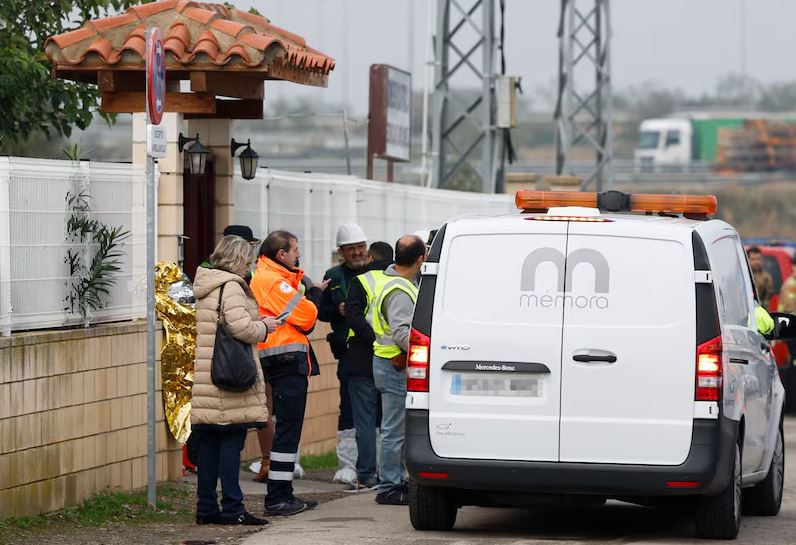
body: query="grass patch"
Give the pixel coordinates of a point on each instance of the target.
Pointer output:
(175, 502)
(320, 461)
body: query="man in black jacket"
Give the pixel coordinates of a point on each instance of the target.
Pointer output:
(352, 248)
(359, 369)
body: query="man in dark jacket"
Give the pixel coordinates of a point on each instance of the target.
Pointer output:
(352, 247)
(359, 367)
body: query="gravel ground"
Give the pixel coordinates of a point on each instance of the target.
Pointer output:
(183, 531)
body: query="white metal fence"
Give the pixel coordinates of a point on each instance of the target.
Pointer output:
(313, 206)
(35, 279)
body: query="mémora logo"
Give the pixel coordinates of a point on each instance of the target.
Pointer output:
(565, 267)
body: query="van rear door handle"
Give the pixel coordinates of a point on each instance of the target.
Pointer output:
(739, 360)
(594, 356)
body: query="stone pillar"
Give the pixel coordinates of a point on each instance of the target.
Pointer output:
(216, 135)
(169, 195)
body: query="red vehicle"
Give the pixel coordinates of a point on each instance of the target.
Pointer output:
(778, 262)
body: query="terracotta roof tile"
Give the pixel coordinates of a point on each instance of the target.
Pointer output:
(196, 35)
(240, 51)
(228, 27)
(201, 15)
(253, 19)
(179, 32)
(181, 5)
(73, 37)
(259, 41)
(103, 47)
(136, 41)
(147, 10)
(111, 22)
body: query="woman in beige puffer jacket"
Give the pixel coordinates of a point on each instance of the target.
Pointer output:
(220, 418)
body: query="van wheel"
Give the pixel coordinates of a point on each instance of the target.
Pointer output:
(431, 508)
(765, 498)
(719, 517)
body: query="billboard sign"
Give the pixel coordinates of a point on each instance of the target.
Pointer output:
(390, 128)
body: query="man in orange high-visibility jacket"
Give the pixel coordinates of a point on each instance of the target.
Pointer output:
(287, 361)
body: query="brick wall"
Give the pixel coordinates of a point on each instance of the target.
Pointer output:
(73, 417)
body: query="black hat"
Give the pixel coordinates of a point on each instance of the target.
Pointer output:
(242, 231)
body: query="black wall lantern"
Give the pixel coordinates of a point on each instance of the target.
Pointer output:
(248, 158)
(197, 154)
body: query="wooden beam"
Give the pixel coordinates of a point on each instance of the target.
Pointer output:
(111, 81)
(228, 85)
(233, 109)
(185, 103)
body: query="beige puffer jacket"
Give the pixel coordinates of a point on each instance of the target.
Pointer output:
(211, 406)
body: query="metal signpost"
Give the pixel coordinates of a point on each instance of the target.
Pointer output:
(155, 147)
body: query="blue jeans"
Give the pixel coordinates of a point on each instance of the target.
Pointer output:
(365, 406)
(391, 384)
(219, 457)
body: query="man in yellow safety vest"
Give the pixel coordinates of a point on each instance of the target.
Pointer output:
(392, 295)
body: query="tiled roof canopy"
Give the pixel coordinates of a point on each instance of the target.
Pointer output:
(196, 37)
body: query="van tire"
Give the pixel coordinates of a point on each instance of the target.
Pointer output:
(765, 498)
(719, 517)
(431, 508)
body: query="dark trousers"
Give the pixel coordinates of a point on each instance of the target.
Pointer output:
(367, 417)
(290, 399)
(219, 457)
(346, 419)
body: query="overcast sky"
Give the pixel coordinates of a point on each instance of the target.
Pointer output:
(680, 43)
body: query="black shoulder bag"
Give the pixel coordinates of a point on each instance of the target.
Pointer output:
(233, 367)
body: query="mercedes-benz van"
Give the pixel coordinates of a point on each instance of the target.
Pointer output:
(605, 350)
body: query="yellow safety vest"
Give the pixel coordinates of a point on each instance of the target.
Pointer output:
(384, 346)
(368, 281)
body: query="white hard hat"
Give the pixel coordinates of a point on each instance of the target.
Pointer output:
(350, 233)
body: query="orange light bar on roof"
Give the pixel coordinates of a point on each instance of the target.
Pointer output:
(616, 201)
(543, 200)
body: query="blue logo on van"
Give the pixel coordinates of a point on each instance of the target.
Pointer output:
(564, 282)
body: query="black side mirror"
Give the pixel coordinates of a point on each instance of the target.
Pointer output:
(785, 328)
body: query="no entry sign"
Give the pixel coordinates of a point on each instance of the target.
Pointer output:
(155, 77)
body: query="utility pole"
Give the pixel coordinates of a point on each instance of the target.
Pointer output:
(584, 111)
(464, 133)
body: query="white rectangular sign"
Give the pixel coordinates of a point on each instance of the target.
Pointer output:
(399, 114)
(155, 140)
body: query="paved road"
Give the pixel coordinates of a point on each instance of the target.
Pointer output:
(358, 519)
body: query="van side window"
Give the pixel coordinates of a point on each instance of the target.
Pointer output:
(728, 273)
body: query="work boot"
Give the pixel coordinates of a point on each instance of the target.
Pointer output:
(262, 476)
(286, 508)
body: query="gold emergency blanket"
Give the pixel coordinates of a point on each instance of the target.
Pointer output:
(177, 356)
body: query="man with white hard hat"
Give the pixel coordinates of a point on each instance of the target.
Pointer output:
(352, 248)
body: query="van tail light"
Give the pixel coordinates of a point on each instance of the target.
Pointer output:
(417, 362)
(709, 371)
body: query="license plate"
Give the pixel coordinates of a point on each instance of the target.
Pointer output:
(480, 385)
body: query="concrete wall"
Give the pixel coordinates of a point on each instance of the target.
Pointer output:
(73, 417)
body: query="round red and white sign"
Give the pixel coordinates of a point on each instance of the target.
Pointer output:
(155, 77)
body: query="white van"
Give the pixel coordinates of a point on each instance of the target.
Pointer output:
(585, 353)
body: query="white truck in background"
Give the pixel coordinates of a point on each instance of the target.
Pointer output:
(729, 141)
